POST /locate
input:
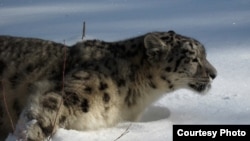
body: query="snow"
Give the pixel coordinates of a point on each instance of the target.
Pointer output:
(222, 26)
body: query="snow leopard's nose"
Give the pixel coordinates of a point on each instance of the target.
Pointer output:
(213, 75)
(211, 71)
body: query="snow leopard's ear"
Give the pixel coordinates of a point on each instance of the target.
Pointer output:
(156, 49)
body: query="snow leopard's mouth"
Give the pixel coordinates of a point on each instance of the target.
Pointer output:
(200, 87)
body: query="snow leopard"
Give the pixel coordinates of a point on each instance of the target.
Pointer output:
(93, 84)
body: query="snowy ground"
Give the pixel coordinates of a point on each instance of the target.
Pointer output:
(222, 26)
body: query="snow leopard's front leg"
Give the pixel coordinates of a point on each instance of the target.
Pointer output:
(41, 117)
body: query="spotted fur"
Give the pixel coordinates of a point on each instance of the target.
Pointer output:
(104, 83)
